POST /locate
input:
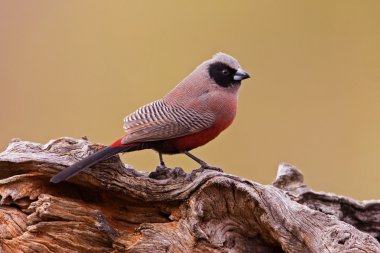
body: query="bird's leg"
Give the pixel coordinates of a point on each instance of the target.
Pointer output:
(203, 164)
(161, 172)
(162, 163)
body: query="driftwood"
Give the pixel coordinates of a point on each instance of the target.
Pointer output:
(113, 208)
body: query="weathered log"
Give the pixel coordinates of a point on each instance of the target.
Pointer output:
(113, 208)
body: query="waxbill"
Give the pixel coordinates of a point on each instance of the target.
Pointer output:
(196, 111)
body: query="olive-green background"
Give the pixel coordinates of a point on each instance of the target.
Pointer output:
(75, 68)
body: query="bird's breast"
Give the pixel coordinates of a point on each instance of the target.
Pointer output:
(224, 118)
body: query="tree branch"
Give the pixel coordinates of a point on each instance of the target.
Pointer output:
(113, 208)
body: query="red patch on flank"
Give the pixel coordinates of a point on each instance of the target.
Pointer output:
(118, 142)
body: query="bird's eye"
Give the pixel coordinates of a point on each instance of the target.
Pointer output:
(225, 72)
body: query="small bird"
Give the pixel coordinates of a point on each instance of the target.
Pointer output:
(196, 111)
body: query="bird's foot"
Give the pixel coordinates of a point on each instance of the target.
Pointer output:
(161, 167)
(206, 167)
(160, 171)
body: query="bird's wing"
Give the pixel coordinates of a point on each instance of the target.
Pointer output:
(159, 121)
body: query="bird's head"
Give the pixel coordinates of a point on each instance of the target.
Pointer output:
(225, 70)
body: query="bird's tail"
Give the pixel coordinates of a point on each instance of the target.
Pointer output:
(102, 154)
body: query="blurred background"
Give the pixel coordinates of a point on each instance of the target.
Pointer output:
(76, 68)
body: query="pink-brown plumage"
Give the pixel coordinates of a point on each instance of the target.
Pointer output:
(195, 99)
(196, 111)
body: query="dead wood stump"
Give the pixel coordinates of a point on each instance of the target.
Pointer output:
(113, 208)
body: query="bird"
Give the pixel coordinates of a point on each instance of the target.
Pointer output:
(193, 113)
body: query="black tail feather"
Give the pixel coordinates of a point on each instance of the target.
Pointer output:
(74, 169)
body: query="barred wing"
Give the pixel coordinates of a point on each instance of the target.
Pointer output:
(159, 120)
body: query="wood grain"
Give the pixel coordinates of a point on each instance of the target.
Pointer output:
(113, 208)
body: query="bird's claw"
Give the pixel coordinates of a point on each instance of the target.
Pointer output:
(160, 170)
(206, 167)
(161, 167)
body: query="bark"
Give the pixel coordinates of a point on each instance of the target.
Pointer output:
(113, 208)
